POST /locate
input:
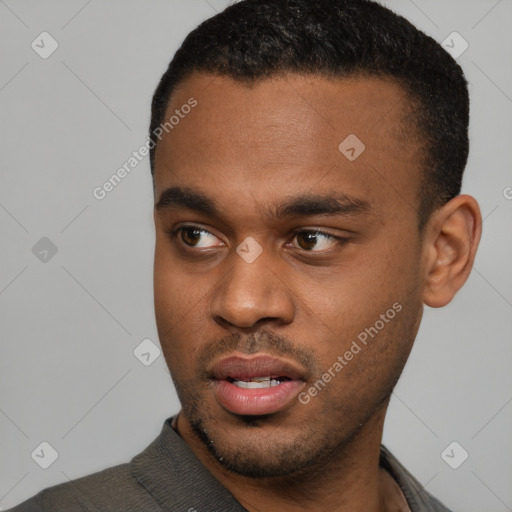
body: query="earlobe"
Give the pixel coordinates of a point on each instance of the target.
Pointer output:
(452, 242)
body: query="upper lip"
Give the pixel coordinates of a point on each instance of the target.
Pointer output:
(240, 368)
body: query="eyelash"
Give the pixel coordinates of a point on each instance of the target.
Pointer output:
(173, 235)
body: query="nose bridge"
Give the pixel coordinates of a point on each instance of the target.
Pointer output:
(251, 290)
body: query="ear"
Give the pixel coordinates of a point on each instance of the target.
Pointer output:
(451, 241)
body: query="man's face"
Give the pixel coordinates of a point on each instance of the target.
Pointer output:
(326, 284)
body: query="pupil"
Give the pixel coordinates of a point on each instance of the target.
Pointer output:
(194, 238)
(310, 239)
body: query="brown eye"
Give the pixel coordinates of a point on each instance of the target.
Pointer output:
(194, 236)
(308, 240)
(191, 235)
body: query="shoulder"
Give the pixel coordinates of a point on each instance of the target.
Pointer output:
(112, 489)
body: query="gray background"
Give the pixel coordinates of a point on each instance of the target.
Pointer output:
(68, 375)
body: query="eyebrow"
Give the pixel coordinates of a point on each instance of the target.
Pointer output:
(302, 205)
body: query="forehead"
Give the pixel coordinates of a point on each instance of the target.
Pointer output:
(295, 133)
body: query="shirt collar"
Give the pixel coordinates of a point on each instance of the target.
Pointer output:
(178, 481)
(415, 494)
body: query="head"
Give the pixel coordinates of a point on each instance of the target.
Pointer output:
(307, 207)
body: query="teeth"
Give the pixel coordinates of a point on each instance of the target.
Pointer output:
(256, 383)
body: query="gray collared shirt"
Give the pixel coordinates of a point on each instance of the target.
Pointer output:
(167, 477)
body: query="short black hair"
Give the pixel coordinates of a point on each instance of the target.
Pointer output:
(256, 39)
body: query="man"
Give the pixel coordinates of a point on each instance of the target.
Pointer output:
(307, 160)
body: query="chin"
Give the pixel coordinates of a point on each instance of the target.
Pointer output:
(257, 448)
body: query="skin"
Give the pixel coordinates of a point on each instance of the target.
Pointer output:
(303, 299)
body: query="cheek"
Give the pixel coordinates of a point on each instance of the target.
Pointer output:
(176, 291)
(367, 360)
(180, 301)
(388, 270)
(361, 304)
(366, 287)
(165, 288)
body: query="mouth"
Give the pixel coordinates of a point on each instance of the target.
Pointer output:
(255, 385)
(258, 382)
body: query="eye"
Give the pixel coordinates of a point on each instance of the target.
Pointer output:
(309, 239)
(194, 236)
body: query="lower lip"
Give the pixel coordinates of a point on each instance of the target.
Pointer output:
(256, 401)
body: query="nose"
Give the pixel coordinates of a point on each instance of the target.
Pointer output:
(249, 293)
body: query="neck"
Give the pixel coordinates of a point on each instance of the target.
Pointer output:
(350, 480)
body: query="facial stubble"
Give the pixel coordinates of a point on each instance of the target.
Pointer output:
(276, 445)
